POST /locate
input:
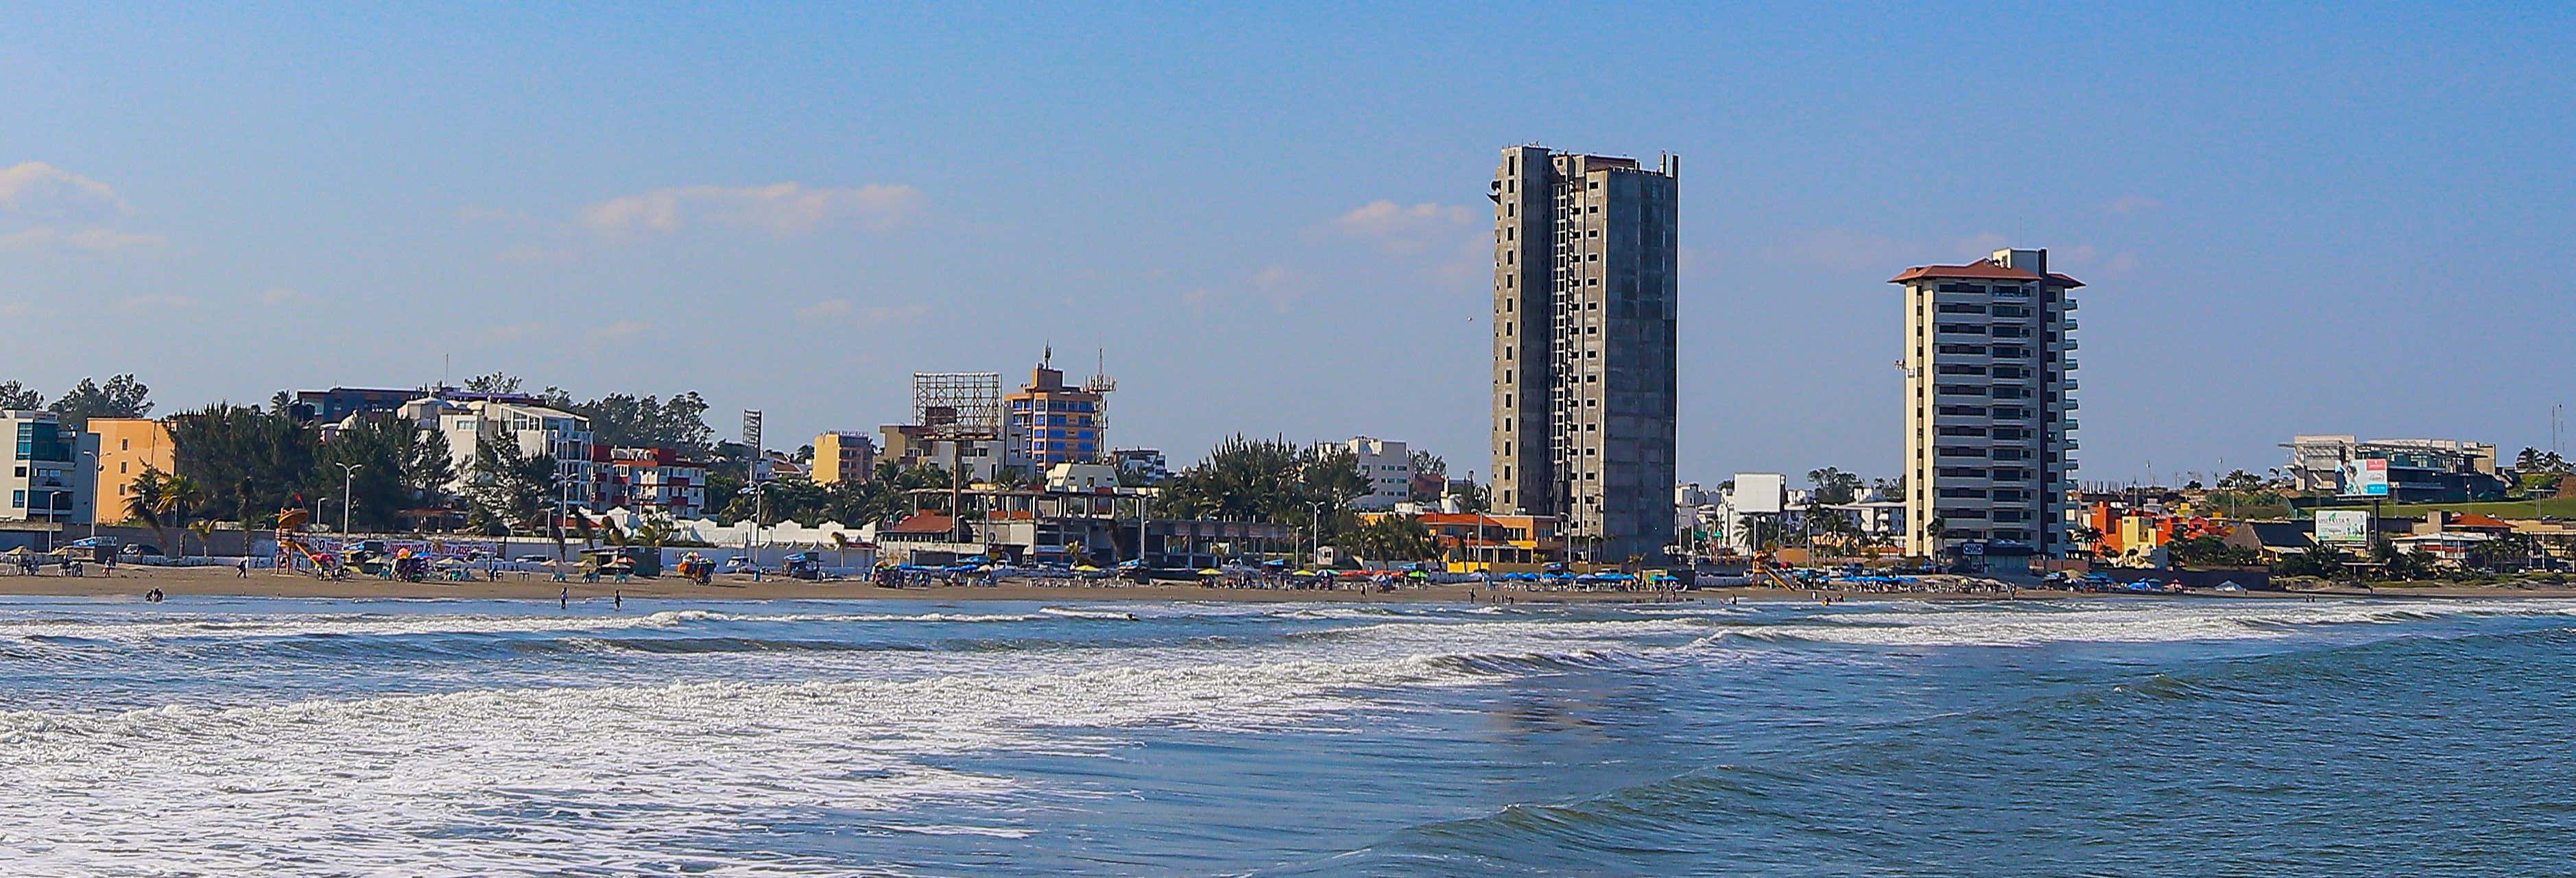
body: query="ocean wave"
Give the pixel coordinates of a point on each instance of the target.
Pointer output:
(269, 786)
(2160, 621)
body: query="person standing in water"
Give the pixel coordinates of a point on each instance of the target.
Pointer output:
(566, 598)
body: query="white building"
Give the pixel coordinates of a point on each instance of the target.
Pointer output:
(1387, 466)
(1082, 478)
(535, 429)
(52, 473)
(1989, 423)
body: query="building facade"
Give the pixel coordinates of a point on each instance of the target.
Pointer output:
(1387, 466)
(535, 429)
(843, 457)
(1048, 422)
(126, 448)
(1989, 410)
(654, 480)
(1585, 346)
(49, 475)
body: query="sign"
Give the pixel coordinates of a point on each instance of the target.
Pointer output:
(2346, 527)
(2367, 477)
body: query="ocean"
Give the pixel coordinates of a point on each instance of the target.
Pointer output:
(238, 736)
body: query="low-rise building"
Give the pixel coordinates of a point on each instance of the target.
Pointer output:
(50, 475)
(127, 448)
(1082, 477)
(1482, 543)
(534, 429)
(654, 480)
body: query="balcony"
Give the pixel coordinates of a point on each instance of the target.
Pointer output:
(2069, 304)
(2067, 344)
(2069, 323)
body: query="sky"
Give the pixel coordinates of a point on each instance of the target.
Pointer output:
(2289, 219)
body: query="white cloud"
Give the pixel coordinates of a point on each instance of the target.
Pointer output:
(280, 296)
(779, 208)
(43, 207)
(1408, 231)
(40, 189)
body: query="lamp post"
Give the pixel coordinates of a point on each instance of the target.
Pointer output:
(348, 482)
(1315, 532)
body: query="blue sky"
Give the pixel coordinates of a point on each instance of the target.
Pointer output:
(2291, 219)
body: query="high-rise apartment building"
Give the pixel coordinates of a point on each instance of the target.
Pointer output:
(1585, 346)
(1989, 415)
(1051, 422)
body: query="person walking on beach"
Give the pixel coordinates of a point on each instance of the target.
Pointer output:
(617, 599)
(241, 568)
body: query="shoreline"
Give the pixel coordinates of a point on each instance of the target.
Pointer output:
(133, 582)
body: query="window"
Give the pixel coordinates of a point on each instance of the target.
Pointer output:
(1970, 350)
(1967, 329)
(1973, 411)
(1961, 308)
(1963, 370)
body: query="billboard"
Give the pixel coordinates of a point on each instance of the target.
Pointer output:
(2367, 477)
(2343, 527)
(1761, 493)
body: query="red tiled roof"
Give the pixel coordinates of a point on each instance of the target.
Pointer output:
(1980, 270)
(2472, 519)
(926, 523)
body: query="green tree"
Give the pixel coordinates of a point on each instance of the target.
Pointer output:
(1833, 486)
(144, 503)
(122, 397)
(2209, 551)
(250, 459)
(15, 396)
(496, 382)
(173, 501)
(2322, 562)
(510, 491)
(1430, 477)
(1394, 538)
(618, 420)
(394, 459)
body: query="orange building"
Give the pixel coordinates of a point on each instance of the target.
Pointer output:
(127, 447)
(1497, 543)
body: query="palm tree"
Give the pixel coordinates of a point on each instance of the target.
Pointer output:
(179, 496)
(205, 531)
(145, 504)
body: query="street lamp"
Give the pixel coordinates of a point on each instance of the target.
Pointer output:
(348, 481)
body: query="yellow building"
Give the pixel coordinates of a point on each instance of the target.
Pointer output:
(127, 447)
(843, 457)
